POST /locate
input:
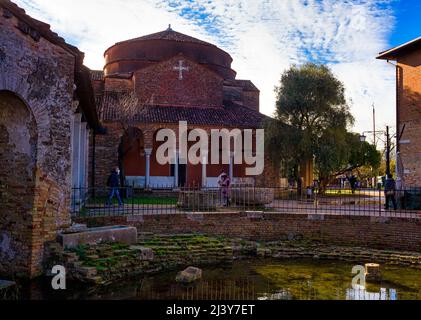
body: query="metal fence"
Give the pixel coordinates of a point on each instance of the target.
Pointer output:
(167, 200)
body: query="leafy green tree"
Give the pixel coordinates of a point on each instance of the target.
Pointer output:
(311, 120)
(340, 152)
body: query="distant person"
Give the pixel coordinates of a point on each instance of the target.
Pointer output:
(223, 173)
(353, 182)
(113, 183)
(220, 182)
(316, 185)
(400, 193)
(224, 184)
(390, 192)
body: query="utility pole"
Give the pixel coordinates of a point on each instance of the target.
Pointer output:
(387, 152)
(374, 125)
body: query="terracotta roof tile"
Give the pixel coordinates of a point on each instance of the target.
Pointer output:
(231, 115)
(247, 85)
(169, 34)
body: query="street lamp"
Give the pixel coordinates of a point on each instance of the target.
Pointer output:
(363, 138)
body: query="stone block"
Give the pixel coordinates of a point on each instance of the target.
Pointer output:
(316, 217)
(189, 275)
(252, 196)
(145, 254)
(135, 218)
(255, 215)
(120, 234)
(87, 272)
(372, 272)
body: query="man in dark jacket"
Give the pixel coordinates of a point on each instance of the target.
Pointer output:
(353, 183)
(390, 192)
(113, 183)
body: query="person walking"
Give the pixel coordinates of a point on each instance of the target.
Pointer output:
(353, 183)
(390, 192)
(224, 184)
(400, 193)
(113, 183)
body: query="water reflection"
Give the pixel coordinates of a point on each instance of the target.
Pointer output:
(363, 294)
(254, 280)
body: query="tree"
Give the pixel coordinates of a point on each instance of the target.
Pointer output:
(311, 120)
(340, 152)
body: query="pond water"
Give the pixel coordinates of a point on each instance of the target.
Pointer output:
(252, 280)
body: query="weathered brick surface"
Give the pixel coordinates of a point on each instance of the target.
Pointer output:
(409, 115)
(36, 94)
(160, 84)
(390, 233)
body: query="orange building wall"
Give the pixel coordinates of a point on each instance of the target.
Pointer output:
(409, 115)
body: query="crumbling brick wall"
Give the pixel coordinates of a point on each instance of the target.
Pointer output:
(40, 77)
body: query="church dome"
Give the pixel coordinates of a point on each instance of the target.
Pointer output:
(131, 55)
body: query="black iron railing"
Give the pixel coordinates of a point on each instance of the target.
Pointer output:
(167, 200)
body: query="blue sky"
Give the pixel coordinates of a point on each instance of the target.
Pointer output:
(408, 21)
(264, 37)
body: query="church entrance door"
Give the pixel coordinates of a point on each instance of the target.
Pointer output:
(182, 175)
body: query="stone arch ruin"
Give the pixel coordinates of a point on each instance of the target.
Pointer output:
(18, 142)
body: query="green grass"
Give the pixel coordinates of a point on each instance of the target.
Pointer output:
(349, 193)
(80, 250)
(136, 201)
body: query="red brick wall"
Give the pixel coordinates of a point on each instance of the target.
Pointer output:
(409, 114)
(158, 170)
(383, 233)
(160, 85)
(118, 84)
(251, 100)
(134, 160)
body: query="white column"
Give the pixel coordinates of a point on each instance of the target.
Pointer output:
(148, 153)
(204, 174)
(176, 168)
(76, 149)
(82, 156)
(86, 181)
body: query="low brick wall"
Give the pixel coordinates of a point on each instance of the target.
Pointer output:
(372, 232)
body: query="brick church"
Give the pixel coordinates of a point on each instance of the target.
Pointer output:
(174, 77)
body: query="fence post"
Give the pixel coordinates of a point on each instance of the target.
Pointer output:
(132, 198)
(380, 202)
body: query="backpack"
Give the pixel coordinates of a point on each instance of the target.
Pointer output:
(109, 180)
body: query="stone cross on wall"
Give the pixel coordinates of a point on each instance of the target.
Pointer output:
(180, 68)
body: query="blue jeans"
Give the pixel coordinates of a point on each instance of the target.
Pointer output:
(114, 191)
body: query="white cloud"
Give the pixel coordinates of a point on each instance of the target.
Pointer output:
(264, 38)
